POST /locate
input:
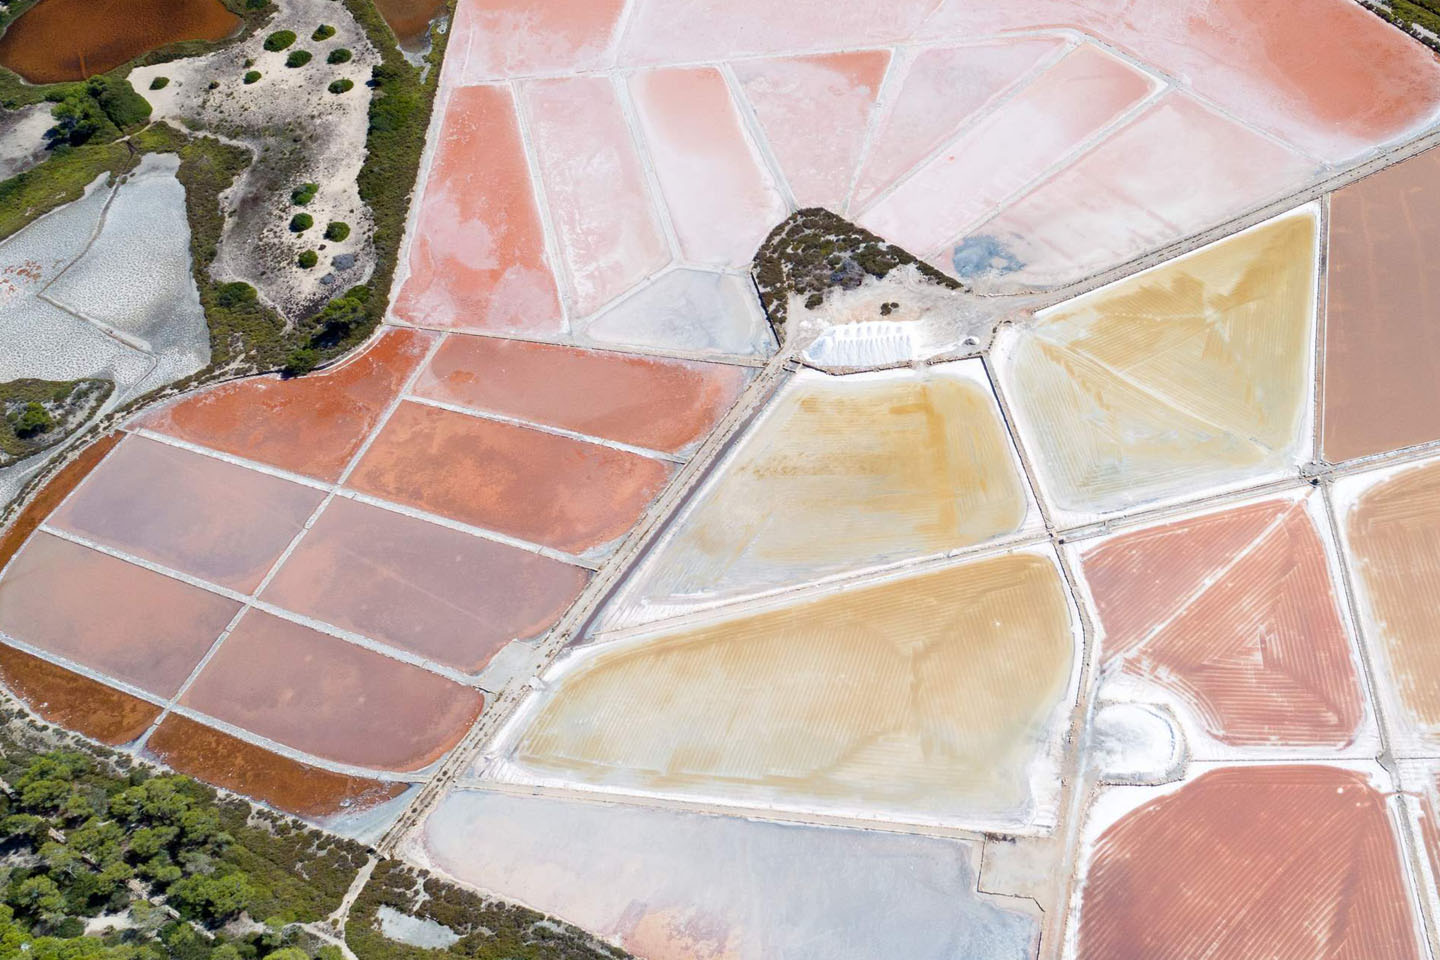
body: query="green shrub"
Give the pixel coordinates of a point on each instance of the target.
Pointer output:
(337, 230)
(159, 83)
(308, 259)
(301, 222)
(304, 193)
(279, 40)
(237, 294)
(252, 75)
(323, 32)
(301, 361)
(338, 55)
(343, 85)
(31, 419)
(297, 58)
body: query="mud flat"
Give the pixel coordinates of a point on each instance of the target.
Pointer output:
(312, 425)
(839, 474)
(1382, 356)
(932, 697)
(71, 700)
(416, 585)
(681, 886)
(1293, 861)
(1234, 614)
(410, 20)
(331, 699)
(686, 311)
(59, 40)
(1191, 376)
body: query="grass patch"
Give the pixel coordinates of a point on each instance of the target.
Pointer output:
(279, 40)
(59, 180)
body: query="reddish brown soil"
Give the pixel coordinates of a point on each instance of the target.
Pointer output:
(1261, 654)
(1382, 346)
(449, 596)
(311, 425)
(59, 40)
(54, 491)
(410, 19)
(190, 512)
(477, 259)
(70, 700)
(330, 698)
(111, 616)
(1281, 862)
(206, 754)
(567, 494)
(647, 401)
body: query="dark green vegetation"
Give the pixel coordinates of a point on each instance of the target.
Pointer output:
(301, 222)
(304, 193)
(343, 85)
(159, 83)
(815, 250)
(488, 929)
(279, 40)
(323, 32)
(99, 108)
(1410, 14)
(336, 231)
(338, 55)
(251, 76)
(37, 414)
(297, 58)
(308, 259)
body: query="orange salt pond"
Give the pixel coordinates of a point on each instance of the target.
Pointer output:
(442, 594)
(199, 751)
(190, 512)
(1283, 862)
(1189, 376)
(607, 228)
(330, 698)
(57, 40)
(721, 198)
(1393, 532)
(477, 256)
(815, 112)
(931, 697)
(101, 612)
(1382, 347)
(651, 402)
(313, 424)
(1234, 613)
(71, 700)
(568, 494)
(55, 490)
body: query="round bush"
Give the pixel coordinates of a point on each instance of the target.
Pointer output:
(341, 85)
(323, 32)
(308, 259)
(304, 193)
(301, 222)
(337, 230)
(338, 55)
(279, 40)
(252, 75)
(159, 83)
(297, 58)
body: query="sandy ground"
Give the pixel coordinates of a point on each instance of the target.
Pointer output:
(300, 133)
(22, 138)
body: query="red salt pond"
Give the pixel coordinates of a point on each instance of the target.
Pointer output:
(70, 700)
(938, 91)
(1253, 643)
(446, 595)
(330, 698)
(1042, 124)
(190, 512)
(1382, 346)
(239, 766)
(660, 404)
(57, 40)
(109, 615)
(477, 257)
(815, 112)
(568, 494)
(313, 424)
(1282, 862)
(410, 20)
(493, 39)
(721, 198)
(608, 231)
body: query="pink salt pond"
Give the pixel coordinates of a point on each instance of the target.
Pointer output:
(421, 587)
(651, 402)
